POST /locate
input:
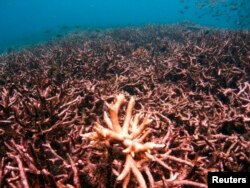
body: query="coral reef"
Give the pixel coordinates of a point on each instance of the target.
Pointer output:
(190, 86)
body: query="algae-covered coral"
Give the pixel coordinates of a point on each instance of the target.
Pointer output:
(189, 91)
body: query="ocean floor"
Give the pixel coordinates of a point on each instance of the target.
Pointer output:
(156, 106)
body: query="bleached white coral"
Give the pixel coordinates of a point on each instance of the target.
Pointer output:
(130, 136)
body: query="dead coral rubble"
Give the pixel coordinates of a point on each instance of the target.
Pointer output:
(194, 84)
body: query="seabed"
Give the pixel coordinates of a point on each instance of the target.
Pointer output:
(154, 106)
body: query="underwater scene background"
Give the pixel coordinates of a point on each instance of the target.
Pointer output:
(28, 22)
(125, 94)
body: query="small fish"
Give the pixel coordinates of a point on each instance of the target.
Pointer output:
(47, 31)
(58, 36)
(233, 8)
(200, 5)
(181, 11)
(64, 27)
(206, 32)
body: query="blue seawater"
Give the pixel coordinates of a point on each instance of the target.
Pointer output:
(32, 21)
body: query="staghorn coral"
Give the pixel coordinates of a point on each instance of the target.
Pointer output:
(194, 83)
(130, 136)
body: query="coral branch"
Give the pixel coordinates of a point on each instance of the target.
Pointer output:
(132, 142)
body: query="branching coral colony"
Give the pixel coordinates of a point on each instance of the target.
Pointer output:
(130, 136)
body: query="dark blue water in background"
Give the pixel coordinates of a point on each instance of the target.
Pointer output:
(29, 22)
